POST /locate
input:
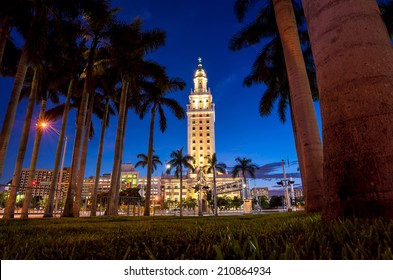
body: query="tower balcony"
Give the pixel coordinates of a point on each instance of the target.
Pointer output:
(191, 109)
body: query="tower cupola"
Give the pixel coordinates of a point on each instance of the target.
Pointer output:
(200, 79)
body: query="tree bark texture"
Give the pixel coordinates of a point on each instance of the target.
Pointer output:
(354, 63)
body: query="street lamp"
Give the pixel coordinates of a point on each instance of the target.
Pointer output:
(46, 125)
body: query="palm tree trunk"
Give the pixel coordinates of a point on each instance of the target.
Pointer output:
(55, 180)
(10, 207)
(68, 207)
(299, 151)
(99, 160)
(33, 163)
(302, 105)
(181, 190)
(121, 157)
(215, 192)
(149, 164)
(113, 192)
(82, 165)
(12, 106)
(354, 62)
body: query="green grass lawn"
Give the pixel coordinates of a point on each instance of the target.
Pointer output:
(270, 236)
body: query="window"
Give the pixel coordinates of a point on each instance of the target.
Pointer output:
(200, 134)
(193, 148)
(201, 148)
(200, 141)
(200, 128)
(193, 141)
(193, 122)
(201, 155)
(208, 127)
(200, 121)
(207, 121)
(208, 134)
(208, 147)
(193, 135)
(193, 128)
(208, 141)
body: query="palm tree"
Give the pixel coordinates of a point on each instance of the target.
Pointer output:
(144, 160)
(309, 146)
(133, 69)
(154, 101)
(178, 161)
(40, 17)
(34, 158)
(212, 167)
(68, 61)
(244, 166)
(98, 22)
(10, 207)
(354, 70)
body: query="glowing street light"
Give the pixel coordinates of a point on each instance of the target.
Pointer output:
(46, 125)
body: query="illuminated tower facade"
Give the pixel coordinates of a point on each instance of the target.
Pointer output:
(200, 119)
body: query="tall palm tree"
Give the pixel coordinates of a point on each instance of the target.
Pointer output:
(212, 167)
(133, 69)
(154, 101)
(34, 158)
(244, 166)
(144, 161)
(354, 71)
(107, 83)
(301, 101)
(98, 22)
(178, 161)
(10, 207)
(40, 17)
(69, 56)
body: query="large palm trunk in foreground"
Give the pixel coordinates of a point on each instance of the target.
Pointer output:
(10, 207)
(33, 163)
(87, 87)
(99, 160)
(354, 62)
(12, 106)
(115, 182)
(82, 165)
(55, 179)
(302, 105)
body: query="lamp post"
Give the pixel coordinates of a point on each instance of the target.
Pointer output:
(285, 183)
(55, 185)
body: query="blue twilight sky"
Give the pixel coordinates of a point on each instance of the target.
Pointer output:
(194, 29)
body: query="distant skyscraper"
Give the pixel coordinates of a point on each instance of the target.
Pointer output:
(200, 118)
